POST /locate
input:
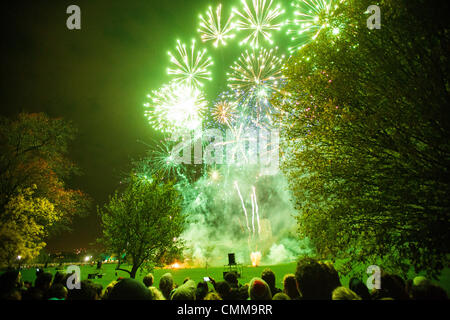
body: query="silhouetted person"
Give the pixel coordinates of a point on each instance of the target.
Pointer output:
(166, 285)
(223, 289)
(130, 289)
(43, 283)
(88, 291)
(57, 292)
(314, 281)
(148, 280)
(10, 285)
(269, 277)
(343, 293)
(184, 292)
(259, 290)
(290, 287)
(359, 288)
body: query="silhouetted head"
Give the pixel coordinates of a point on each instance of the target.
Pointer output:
(290, 286)
(281, 296)
(166, 285)
(343, 293)
(43, 281)
(148, 280)
(269, 277)
(88, 291)
(259, 290)
(130, 289)
(232, 279)
(315, 281)
(359, 288)
(224, 289)
(184, 292)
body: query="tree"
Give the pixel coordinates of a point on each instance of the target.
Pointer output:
(34, 151)
(365, 130)
(143, 222)
(25, 220)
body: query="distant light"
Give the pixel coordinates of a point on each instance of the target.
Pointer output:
(215, 175)
(19, 257)
(336, 31)
(87, 258)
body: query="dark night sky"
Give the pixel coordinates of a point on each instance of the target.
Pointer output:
(98, 78)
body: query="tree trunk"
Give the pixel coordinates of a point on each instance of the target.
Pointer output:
(133, 271)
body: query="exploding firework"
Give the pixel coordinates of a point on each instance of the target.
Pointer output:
(255, 257)
(254, 78)
(224, 112)
(211, 28)
(165, 160)
(214, 175)
(257, 70)
(191, 68)
(176, 107)
(258, 20)
(311, 17)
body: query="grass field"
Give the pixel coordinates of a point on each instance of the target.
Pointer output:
(197, 274)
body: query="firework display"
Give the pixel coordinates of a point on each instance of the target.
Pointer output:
(228, 189)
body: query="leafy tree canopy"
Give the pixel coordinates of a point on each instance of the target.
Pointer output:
(366, 129)
(144, 221)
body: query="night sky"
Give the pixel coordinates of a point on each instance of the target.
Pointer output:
(96, 77)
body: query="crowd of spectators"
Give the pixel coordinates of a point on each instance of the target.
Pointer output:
(312, 280)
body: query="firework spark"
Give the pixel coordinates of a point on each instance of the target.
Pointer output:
(211, 28)
(224, 112)
(176, 107)
(258, 20)
(311, 17)
(191, 68)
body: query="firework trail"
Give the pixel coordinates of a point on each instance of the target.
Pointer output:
(243, 205)
(256, 209)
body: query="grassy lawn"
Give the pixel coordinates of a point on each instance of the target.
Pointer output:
(197, 274)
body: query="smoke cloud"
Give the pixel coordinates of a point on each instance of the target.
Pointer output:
(217, 224)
